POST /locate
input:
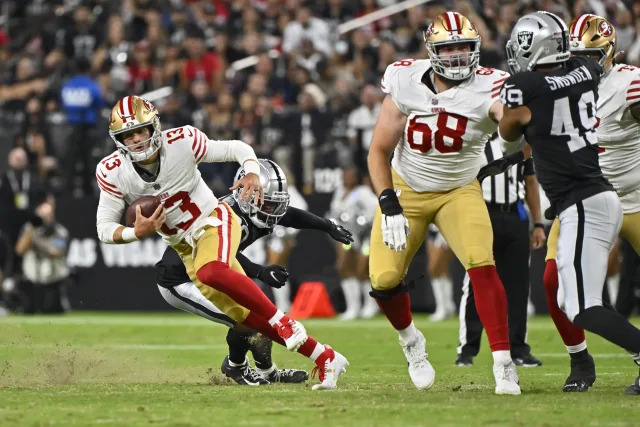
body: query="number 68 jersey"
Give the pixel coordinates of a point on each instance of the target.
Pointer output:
(442, 147)
(187, 199)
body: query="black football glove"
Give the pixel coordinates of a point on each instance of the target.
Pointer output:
(500, 165)
(274, 275)
(339, 233)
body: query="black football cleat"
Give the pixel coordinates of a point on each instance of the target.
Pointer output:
(634, 389)
(289, 376)
(528, 361)
(582, 376)
(464, 360)
(243, 374)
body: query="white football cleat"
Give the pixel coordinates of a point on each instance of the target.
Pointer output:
(330, 370)
(420, 370)
(507, 380)
(292, 332)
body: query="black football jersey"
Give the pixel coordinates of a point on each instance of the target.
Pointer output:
(562, 130)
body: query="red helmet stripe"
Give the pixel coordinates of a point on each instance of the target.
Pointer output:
(458, 22)
(450, 22)
(579, 25)
(130, 105)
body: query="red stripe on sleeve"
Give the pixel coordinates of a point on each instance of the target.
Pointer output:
(630, 98)
(204, 152)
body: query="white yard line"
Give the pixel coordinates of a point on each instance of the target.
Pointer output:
(621, 355)
(152, 347)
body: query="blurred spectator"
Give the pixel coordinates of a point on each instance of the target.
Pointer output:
(140, 69)
(20, 192)
(43, 250)
(362, 120)
(80, 38)
(309, 126)
(200, 64)
(82, 101)
(34, 139)
(307, 27)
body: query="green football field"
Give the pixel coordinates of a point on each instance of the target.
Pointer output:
(125, 369)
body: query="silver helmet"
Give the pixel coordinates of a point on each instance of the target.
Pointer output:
(537, 39)
(276, 195)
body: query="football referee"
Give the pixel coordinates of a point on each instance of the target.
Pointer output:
(505, 195)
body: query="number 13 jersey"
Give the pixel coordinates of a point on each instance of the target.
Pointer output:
(186, 197)
(442, 146)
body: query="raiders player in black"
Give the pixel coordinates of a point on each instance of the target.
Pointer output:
(178, 290)
(551, 100)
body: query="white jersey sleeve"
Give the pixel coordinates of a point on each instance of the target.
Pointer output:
(112, 203)
(391, 82)
(618, 131)
(209, 151)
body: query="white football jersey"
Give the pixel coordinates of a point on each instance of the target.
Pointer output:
(618, 132)
(187, 199)
(443, 143)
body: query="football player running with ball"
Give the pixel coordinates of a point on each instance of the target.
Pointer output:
(176, 287)
(436, 119)
(618, 133)
(553, 100)
(204, 232)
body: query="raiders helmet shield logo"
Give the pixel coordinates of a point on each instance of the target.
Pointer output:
(525, 38)
(605, 29)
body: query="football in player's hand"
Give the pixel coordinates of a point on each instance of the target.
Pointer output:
(148, 205)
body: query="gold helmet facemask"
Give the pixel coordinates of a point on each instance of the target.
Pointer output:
(133, 112)
(592, 34)
(451, 28)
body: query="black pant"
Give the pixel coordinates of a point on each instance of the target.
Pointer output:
(629, 280)
(511, 252)
(81, 144)
(49, 298)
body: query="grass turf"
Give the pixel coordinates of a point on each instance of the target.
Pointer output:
(163, 369)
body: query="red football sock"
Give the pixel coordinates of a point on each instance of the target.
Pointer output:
(491, 304)
(570, 333)
(261, 325)
(397, 309)
(237, 286)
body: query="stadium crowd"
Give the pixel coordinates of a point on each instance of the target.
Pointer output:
(308, 100)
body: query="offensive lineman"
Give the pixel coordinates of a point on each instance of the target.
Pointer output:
(178, 290)
(205, 233)
(552, 100)
(617, 133)
(436, 119)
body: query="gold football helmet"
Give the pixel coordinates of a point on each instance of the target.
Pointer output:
(133, 112)
(447, 29)
(593, 34)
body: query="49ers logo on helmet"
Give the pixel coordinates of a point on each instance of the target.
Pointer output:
(605, 29)
(429, 31)
(149, 106)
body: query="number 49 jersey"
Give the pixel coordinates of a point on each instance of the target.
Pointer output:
(187, 199)
(562, 134)
(442, 147)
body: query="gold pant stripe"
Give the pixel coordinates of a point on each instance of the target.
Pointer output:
(216, 244)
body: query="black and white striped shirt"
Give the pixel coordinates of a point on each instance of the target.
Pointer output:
(508, 187)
